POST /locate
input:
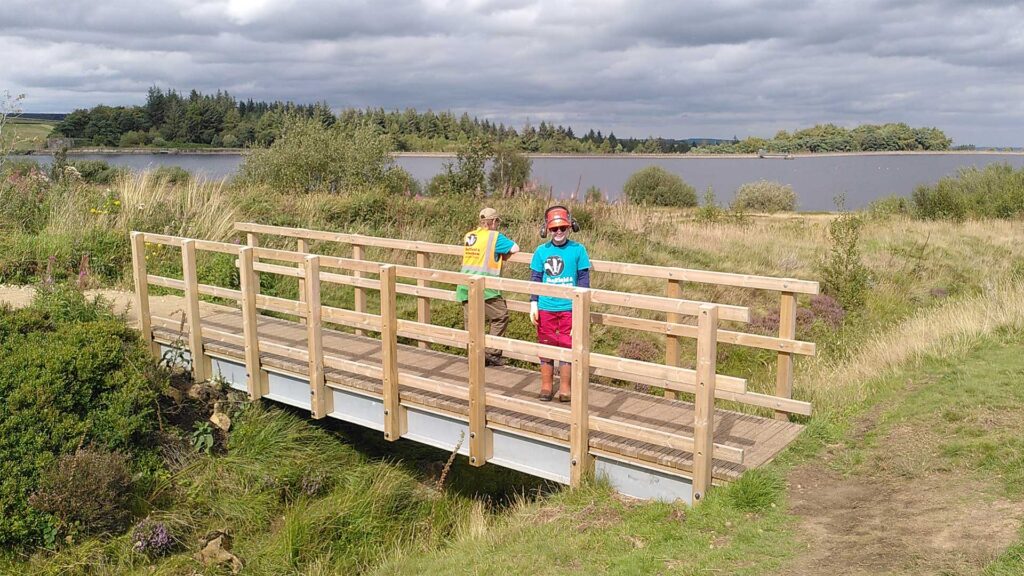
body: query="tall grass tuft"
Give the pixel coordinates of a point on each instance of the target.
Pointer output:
(836, 385)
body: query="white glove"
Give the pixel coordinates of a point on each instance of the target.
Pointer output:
(534, 313)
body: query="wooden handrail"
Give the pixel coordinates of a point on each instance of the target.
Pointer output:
(645, 270)
(788, 287)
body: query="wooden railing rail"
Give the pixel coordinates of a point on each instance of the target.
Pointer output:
(785, 344)
(648, 271)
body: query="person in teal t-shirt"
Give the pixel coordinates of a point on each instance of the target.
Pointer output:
(563, 262)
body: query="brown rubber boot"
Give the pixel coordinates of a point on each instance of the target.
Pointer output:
(547, 376)
(565, 383)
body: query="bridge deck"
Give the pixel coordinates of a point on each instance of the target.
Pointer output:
(760, 438)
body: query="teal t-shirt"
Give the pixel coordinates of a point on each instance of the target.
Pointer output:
(559, 265)
(501, 247)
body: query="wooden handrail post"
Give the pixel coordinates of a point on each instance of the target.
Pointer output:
(477, 381)
(787, 329)
(303, 247)
(192, 314)
(581, 462)
(247, 277)
(422, 302)
(253, 241)
(359, 297)
(673, 289)
(704, 400)
(314, 331)
(389, 353)
(141, 278)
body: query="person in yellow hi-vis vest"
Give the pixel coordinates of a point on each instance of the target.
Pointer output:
(484, 250)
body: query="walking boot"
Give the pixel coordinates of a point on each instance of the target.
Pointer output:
(547, 376)
(565, 383)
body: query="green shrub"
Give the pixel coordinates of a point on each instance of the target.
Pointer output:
(439, 185)
(467, 176)
(997, 191)
(87, 491)
(172, 175)
(510, 171)
(71, 375)
(25, 258)
(26, 205)
(843, 273)
(889, 206)
(97, 171)
(593, 195)
(765, 196)
(710, 211)
(656, 186)
(311, 157)
(400, 181)
(132, 139)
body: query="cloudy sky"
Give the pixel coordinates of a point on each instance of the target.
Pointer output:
(667, 68)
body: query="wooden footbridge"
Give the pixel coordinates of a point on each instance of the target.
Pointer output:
(348, 363)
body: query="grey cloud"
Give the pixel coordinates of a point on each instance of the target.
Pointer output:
(638, 68)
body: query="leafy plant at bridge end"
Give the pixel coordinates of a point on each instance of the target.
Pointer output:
(843, 273)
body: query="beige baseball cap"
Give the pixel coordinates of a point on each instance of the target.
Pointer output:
(489, 214)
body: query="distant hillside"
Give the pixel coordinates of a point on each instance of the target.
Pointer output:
(38, 116)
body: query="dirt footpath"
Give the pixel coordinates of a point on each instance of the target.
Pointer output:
(903, 509)
(21, 296)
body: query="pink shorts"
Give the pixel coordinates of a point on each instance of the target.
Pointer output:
(555, 329)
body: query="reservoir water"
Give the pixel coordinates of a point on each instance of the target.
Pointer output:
(817, 179)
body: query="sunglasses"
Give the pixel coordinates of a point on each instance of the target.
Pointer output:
(559, 228)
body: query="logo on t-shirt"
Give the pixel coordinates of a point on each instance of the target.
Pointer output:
(470, 239)
(554, 265)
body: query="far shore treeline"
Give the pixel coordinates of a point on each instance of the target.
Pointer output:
(219, 120)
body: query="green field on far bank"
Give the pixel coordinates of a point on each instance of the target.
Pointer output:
(24, 134)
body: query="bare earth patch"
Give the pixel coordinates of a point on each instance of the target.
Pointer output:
(904, 512)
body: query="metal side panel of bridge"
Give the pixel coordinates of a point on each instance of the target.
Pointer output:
(528, 443)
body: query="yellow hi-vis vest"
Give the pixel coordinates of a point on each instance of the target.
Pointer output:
(478, 258)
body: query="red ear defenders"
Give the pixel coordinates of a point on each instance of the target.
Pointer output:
(573, 224)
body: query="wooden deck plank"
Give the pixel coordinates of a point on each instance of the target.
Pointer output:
(761, 438)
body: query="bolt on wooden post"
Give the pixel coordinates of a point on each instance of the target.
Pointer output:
(200, 363)
(318, 394)
(581, 462)
(704, 400)
(787, 329)
(477, 373)
(247, 278)
(253, 241)
(673, 289)
(389, 353)
(303, 247)
(359, 294)
(141, 279)
(422, 302)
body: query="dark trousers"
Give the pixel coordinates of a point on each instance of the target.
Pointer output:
(495, 314)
